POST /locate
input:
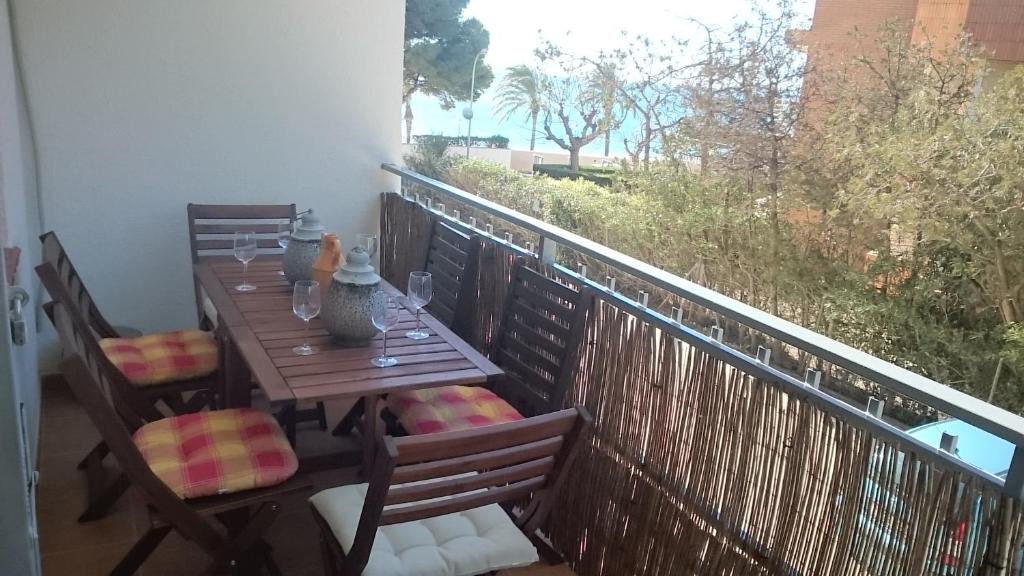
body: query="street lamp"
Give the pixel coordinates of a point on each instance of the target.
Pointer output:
(467, 112)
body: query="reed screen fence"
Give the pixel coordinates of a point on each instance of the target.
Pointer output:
(695, 466)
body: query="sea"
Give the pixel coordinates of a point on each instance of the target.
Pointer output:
(431, 118)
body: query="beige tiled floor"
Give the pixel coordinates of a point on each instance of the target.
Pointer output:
(73, 549)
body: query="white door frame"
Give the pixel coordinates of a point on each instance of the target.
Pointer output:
(19, 364)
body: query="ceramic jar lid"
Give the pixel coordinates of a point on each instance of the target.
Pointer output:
(309, 228)
(357, 269)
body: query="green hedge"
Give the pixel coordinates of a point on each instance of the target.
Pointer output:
(599, 176)
(496, 141)
(709, 231)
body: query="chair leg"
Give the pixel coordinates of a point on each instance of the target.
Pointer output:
(178, 405)
(354, 415)
(392, 426)
(140, 551)
(175, 403)
(286, 418)
(330, 569)
(267, 555)
(316, 414)
(201, 399)
(97, 454)
(321, 412)
(329, 548)
(244, 538)
(104, 499)
(252, 531)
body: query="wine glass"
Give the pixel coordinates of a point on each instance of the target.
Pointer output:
(420, 291)
(368, 242)
(306, 305)
(384, 313)
(245, 251)
(284, 234)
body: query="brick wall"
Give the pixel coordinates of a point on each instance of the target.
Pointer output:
(831, 43)
(999, 26)
(835, 22)
(940, 21)
(841, 31)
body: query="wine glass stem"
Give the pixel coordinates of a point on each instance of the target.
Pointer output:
(305, 335)
(385, 353)
(245, 270)
(418, 329)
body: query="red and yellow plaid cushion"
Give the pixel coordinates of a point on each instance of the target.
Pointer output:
(164, 357)
(218, 452)
(450, 408)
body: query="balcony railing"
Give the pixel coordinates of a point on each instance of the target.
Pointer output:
(705, 458)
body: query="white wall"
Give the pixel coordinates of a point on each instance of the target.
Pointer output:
(142, 107)
(523, 160)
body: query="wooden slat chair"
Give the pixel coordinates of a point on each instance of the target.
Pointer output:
(431, 505)
(217, 236)
(452, 260)
(230, 477)
(154, 381)
(211, 232)
(537, 346)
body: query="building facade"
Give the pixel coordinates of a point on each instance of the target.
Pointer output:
(843, 30)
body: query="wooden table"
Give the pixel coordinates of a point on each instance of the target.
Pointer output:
(259, 330)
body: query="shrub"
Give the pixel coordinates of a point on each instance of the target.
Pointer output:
(599, 176)
(496, 141)
(713, 232)
(429, 158)
(633, 223)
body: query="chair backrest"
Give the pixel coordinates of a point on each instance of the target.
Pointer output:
(452, 261)
(436, 474)
(78, 338)
(212, 227)
(538, 342)
(54, 254)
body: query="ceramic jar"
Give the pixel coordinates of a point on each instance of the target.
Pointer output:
(346, 311)
(303, 249)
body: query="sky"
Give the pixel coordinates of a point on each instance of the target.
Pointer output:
(579, 26)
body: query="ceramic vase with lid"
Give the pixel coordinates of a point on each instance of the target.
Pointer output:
(303, 248)
(346, 310)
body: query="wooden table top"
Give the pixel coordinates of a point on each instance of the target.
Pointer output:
(264, 330)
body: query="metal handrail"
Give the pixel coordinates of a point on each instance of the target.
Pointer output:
(755, 367)
(977, 412)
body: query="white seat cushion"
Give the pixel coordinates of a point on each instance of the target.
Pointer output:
(466, 543)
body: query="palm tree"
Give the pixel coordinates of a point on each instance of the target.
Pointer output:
(606, 83)
(519, 92)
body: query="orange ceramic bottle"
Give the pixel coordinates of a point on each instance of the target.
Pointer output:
(328, 262)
